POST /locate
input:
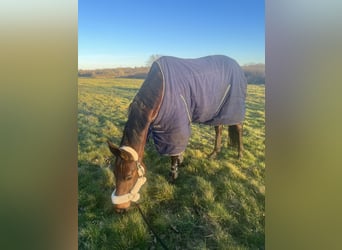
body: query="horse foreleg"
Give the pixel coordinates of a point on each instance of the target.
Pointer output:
(176, 161)
(217, 147)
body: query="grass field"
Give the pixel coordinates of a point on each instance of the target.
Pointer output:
(215, 204)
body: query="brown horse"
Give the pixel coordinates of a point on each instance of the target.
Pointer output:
(147, 116)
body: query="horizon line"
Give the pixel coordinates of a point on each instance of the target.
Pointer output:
(118, 67)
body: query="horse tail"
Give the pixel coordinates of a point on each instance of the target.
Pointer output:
(233, 135)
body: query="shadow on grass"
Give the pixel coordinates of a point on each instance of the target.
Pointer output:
(209, 206)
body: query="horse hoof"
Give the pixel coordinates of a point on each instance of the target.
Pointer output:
(173, 176)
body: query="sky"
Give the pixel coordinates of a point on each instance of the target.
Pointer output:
(125, 33)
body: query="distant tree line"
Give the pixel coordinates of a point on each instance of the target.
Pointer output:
(255, 73)
(137, 72)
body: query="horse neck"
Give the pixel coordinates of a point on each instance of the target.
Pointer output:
(136, 131)
(143, 110)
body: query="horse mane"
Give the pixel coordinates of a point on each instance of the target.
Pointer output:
(144, 107)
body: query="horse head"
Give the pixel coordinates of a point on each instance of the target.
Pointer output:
(129, 176)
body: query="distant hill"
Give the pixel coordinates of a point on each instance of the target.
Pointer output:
(255, 73)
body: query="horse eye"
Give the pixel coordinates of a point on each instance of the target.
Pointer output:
(128, 177)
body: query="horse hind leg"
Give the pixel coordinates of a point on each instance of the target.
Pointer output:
(218, 138)
(235, 137)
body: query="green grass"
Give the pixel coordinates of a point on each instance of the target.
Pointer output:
(215, 204)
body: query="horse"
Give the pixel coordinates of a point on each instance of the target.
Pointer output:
(176, 92)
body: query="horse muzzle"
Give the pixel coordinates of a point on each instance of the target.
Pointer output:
(123, 202)
(122, 208)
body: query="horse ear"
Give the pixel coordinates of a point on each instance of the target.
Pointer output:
(114, 149)
(126, 155)
(119, 152)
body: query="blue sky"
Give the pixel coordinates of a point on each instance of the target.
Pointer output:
(126, 33)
